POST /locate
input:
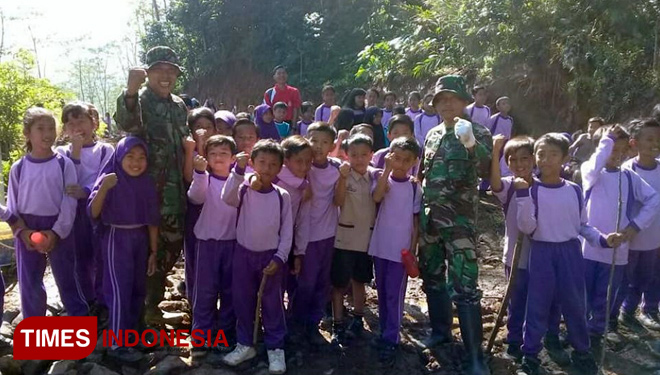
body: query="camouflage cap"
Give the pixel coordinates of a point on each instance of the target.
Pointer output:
(454, 84)
(162, 55)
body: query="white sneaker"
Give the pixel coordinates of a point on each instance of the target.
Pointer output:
(276, 361)
(241, 354)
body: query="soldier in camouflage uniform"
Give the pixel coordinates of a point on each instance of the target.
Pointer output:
(456, 153)
(159, 117)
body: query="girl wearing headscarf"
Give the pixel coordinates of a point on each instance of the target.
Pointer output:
(263, 117)
(374, 116)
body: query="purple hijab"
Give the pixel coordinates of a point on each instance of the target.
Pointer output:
(134, 200)
(266, 130)
(226, 116)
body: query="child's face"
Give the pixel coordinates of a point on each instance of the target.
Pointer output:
(618, 155)
(300, 163)
(648, 142)
(399, 130)
(389, 102)
(413, 102)
(42, 134)
(372, 98)
(378, 118)
(267, 165)
(449, 106)
(134, 162)
(245, 138)
(521, 163)
(426, 104)
(402, 161)
(322, 144)
(268, 116)
(204, 124)
(359, 101)
(279, 114)
(504, 106)
(220, 159)
(593, 126)
(328, 97)
(549, 159)
(359, 156)
(480, 97)
(308, 115)
(222, 128)
(82, 125)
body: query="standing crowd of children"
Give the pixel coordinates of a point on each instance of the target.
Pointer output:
(293, 212)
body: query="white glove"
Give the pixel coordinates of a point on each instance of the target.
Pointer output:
(463, 131)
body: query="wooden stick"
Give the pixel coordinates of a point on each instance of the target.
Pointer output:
(507, 294)
(260, 294)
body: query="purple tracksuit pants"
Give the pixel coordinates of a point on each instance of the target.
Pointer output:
(213, 277)
(31, 268)
(125, 252)
(391, 283)
(597, 278)
(85, 255)
(638, 281)
(313, 291)
(555, 269)
(247, 274)
(189, 244)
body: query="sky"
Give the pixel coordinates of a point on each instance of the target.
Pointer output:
(63, 28)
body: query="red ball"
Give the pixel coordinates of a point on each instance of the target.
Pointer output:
(37, 237)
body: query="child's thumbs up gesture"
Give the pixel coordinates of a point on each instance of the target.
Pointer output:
(463, 131)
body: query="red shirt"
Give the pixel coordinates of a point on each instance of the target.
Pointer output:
(290, 95)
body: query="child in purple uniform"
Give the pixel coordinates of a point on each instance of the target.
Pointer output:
(551, 212)
(306, 117)
(125, 201)
(400, 126)
(262, 249)
(428, 120)
(215, 231)
(388, 109)
(37, 195)
(501, 122)
(413, 109)
(478, 111)
(644, 260)
(314, 285)
(264, 118)
(322, 112)
(89, 156)
(399, 197)
(603, 181)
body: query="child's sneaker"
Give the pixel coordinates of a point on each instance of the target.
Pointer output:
(649, 321)
(514, 352)
(555, 350)
(356, 328)
(276, 361)
(387, 355)
(125, 354)
(530, 366)
(338, 334)
(584, 362)
(239, 355)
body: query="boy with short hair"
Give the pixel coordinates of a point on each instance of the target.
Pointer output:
(322, 112)
(399, 197)
(389, 100)
(279, 113)
(478, 111)
(307, 117)
(501, 122)
(427, 120)
(372, 97)
(351, 265)
(399, 126)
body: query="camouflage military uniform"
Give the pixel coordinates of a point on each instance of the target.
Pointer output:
(161, 122)
(448, 230)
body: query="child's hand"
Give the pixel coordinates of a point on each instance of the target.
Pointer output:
(76, 191)
(297, 265)
(136, 77)
(151, 263)
(242, 159)
(51, 241)
(255, 181)
(109, 181)
(389, 161)
(200, 164)
(519, 183)
(344, 169)
(498, 143)
(271, 268)
(25, 237)
(77, 141)
(628, 234)
(463, 131)
(189, 145)
(614, 239)
(307, 194)
(342, 135)
(201, 135)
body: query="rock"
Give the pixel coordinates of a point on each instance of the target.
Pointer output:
(17, 320)
(61, 367)
(7, 329)
(8, 366)
(10, 315)
(167, 366)
(156, 356)
(96, 369)
(128, 370)
(176, 318)
(71, 372)
(208, 370)
(174, 306)
(35, 367)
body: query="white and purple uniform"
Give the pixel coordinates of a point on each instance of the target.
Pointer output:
(392, 233)
(322, 113)
(413, 114)
(36, 194)
(554, 216)
(302, 127)
(378, 161)
(216, 239)
(88, 258)
(499, 124)
(601, 200)
(478, 114)
(423, 123)
(314, 284)
(254, 251)
(387, 115)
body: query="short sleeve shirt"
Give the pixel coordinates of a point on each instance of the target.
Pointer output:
(290, 95)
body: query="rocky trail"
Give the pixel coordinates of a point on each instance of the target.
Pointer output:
(630, 357)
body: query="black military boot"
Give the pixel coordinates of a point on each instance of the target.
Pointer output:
(469, 318)
(441, 317)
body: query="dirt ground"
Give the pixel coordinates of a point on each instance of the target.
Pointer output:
(630, 357)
